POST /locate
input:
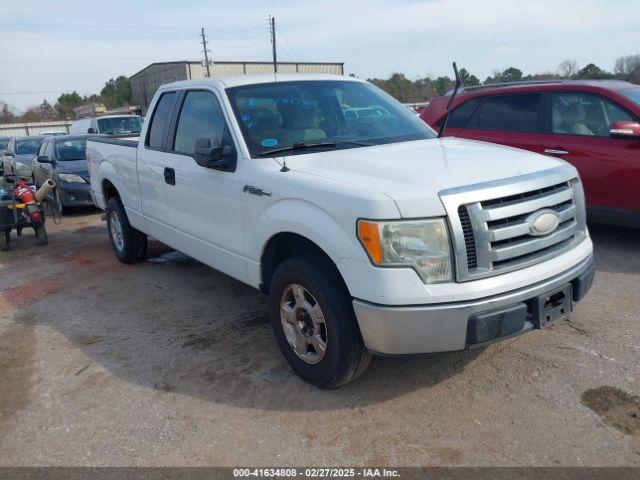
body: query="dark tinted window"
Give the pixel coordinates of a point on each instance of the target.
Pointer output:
(458, 118)
(69, 150)
(119, 125)
(27, 147)
(518, 113)
(200, 116)
(160, 117)
(3, 144)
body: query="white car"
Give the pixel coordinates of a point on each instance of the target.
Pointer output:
(108, 125)
(369, 234)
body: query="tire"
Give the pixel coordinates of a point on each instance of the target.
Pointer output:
(129, 244)
(41, 233)
(5, 239)
(344, 357)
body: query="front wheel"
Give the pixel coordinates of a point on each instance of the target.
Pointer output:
(41, 234)
(314, 323)
(129, 244)
(5, 238)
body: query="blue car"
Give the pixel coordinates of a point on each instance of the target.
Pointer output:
(63, 160)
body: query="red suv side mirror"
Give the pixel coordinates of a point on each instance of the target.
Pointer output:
(625, 129)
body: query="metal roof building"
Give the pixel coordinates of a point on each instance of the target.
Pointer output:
(145, 83)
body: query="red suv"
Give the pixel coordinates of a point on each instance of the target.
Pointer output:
(594, 125)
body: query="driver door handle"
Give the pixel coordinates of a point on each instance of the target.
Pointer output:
(553, 151)
(169, 176)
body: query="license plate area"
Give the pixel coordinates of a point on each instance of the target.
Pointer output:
(553, 306)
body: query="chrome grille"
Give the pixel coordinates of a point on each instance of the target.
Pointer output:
(491, 231)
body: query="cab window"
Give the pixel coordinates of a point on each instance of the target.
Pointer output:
(585, 114)
(159, 119)
(518, 113)
(200, 115)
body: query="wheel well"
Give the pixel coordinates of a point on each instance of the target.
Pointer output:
(109, 190)
(286, 245)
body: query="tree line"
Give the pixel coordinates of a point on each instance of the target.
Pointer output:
(424, 89)
(115, 93)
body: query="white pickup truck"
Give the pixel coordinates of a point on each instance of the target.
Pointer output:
(369, 233)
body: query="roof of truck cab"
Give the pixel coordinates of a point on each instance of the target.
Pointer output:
(254, 79)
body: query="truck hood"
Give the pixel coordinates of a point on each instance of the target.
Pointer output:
(412, 173)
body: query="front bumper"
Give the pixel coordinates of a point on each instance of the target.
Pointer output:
(75, 194)
(442, 327)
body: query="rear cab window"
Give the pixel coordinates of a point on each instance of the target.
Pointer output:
(159, 120)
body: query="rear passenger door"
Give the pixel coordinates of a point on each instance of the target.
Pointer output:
(509, 119)
(205, 204)
(151, 157)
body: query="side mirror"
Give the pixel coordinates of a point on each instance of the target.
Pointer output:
(209, 153)
(8, 154)
(91, 130)
(43, 159)
(625, 129)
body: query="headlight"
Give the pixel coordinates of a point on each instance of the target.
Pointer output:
(421, 244)
(21, 166)
(71, 178)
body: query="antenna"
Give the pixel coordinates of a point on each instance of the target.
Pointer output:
(272, 27)
(206, 52)
(453, 95)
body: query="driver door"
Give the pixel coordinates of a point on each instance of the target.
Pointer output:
(578, 132)
(205, 205)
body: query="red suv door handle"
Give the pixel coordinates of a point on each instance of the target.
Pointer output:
(553, 151)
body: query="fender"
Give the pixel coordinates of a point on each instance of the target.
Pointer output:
(305, 219)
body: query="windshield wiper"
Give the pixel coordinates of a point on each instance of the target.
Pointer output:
(304, 145)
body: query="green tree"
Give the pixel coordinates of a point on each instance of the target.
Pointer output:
(66, 103)
(117, 92)
(442, 85)
(594, 72)
(468, 79)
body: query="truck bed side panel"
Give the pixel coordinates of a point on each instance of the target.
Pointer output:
(114, 160)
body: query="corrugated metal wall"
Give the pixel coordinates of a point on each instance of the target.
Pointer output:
(145, 83)
(32, 128)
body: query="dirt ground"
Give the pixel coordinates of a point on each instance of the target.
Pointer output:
(171, 363)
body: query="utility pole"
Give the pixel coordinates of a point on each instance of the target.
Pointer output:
(272, 25)
(206, 52)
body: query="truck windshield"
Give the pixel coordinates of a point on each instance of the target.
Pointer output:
(119, 125)
(338, 114)
(633, 94)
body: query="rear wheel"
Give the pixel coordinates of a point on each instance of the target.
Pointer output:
(5, 238)
(129, 244)
(41, 233)
(314, 323)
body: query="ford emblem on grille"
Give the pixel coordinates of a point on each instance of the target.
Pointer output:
(543, 222)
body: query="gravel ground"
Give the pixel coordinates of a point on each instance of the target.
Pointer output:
(171, 363)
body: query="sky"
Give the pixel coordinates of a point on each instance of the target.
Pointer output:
(49, 47)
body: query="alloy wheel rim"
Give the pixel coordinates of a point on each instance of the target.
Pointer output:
(303, 324)
(116, 231)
